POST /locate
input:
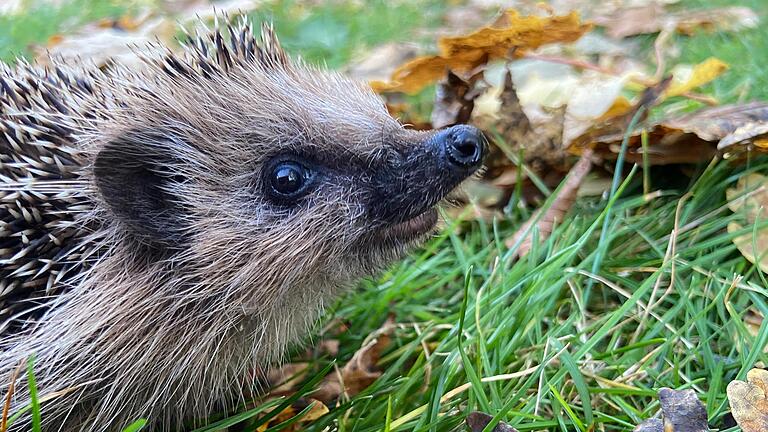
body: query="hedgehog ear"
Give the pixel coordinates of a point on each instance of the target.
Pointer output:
(135, 176)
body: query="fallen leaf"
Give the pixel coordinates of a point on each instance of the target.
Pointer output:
(753, 320)
(454, 101)
(510, 37)
(749, 197)
(681, 411)
(122, 40)
(477, 421)
(317, 409)
(696, 76)
(755, 133)
(556, 212)
(360, 372)
(653, 17)
(649, 18)
(286, 378)
(749, 401)
(609, 131)
(380, 62)
(689, 138)
(732, 18)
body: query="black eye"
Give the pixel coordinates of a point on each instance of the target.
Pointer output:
(289, 179)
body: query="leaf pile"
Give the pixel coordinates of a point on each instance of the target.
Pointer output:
(533, 85)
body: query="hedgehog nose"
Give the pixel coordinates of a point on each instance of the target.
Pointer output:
(464, 147)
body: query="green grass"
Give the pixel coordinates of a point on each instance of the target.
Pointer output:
(564, 339)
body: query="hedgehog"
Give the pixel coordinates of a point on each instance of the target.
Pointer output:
(167, 232)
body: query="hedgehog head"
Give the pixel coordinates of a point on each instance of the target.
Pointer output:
(262, 179)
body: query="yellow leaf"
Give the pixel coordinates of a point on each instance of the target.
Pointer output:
(509, 37)
(701, 74)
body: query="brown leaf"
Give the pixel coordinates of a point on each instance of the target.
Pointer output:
(755, 133)
(649, 18)
(380, 62)
(462, 54)
(609, 131)
(681, 410)
(454, 101)
(286, 378)
(749, 401)
(690, 138)
(359, 373)
(317, 410)
(650, 425)
(556, 212)
(722, 19)
(477, 421)
(542, 143)
(653, 17)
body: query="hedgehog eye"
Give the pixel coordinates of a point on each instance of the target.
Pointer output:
(289, 179)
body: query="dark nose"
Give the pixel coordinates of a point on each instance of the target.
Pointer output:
(464, 146)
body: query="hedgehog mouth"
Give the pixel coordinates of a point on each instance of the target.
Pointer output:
(413, 228)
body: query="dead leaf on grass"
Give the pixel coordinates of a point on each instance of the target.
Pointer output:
(754, 133)
(359, 373)
(381, 61)
(286, 378)
(120, 40)
(749, 197)
(557, 211)
(689, 138)
(681, 411)
(477, 421)
(317, 409)
(654, 17)
(749, 401)
(511, 36)
(687, 79)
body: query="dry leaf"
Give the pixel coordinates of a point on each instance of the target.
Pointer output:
(477, 421)
(317, 410)
(653, 17)
(120, 40)
(511, 37)
(556, 212)
(380, 62)
(681, 412)
(703, 73)
(749, 401)
(722, 19)
(689, 138)
(749, 197)
(649, 18)
(286, 378)
(755, 133)
(609, 131)
(359, 373)
(454, 101)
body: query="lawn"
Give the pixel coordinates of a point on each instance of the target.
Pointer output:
(632, 293)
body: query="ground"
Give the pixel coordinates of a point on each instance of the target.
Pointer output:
(554, 328)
